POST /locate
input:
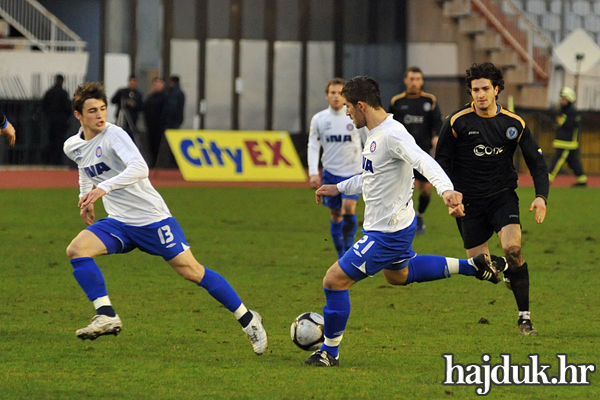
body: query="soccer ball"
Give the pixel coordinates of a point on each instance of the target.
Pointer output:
(307, 331)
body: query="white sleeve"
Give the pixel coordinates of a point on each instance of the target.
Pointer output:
(351, 185)
(85, 183)
(314, 148)
(405, 148)
(136, 168)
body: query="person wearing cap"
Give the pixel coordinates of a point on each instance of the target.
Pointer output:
(566, 139)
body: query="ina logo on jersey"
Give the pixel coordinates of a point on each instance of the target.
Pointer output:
(99, 152)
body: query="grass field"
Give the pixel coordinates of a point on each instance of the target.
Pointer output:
(273, 246)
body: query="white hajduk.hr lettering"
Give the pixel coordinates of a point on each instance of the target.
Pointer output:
(506, 373)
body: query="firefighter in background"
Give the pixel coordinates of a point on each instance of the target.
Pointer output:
(566, 140)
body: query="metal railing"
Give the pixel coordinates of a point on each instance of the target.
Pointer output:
(40, 27)
(520, 34)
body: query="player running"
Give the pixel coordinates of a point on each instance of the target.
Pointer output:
(476, 148)
(111, 167)
(342, 143)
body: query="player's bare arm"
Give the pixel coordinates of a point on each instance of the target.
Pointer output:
(453, 200)
(539, 204)
(315, 181)
(326, 190)
(9, 133)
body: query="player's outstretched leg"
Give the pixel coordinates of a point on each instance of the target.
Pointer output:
(431, 268)
(251, 321)
(486, 268)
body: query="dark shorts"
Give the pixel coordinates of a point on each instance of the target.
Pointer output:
(164, 238)
(335, 202)
(485, 216)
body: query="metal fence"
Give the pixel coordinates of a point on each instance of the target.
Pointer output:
(32, 145)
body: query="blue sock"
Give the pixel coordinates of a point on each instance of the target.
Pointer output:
(338, 237)
(220, 289)
(349, 230)
(464, 268)
(335, 313)
(89, 277)
(427, 268)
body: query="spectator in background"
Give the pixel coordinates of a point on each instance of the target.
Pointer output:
(154, 116)
(175, 104)
(173, 115)
(128, 99)
(7, 130)
(57, 108)
(566, 141)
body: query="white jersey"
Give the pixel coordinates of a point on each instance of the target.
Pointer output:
(387, 181)
(341, 141)
(113, 163)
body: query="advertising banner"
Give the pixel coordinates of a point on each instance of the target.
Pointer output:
(257, 156)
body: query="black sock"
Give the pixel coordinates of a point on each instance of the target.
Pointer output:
(245, 319)
(106, 310)
(519, 282)
(423, 203)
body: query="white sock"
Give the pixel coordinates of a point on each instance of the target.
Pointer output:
(525, 314)
(241, 310)
(452, 264)
(101, 302)
(335, 342)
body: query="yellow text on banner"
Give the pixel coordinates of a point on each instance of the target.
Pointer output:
(259, 156)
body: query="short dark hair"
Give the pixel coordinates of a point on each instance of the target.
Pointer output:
(174, 79)
(362, 88)
(485, 70)
(59, 79)
(414, 69)
(334, 81)
(88, 90)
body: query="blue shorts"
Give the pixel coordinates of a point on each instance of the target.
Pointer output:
(378, 250)
(335, 202)
(164, 238)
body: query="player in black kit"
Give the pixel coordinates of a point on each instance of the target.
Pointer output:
(419, 112)
(476, 147)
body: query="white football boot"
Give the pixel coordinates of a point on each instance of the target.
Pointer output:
(256, 333)
(100, 325)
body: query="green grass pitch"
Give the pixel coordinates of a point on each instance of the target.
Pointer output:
(273, 246)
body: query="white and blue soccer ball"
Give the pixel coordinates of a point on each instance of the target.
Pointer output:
(307, 331)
